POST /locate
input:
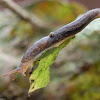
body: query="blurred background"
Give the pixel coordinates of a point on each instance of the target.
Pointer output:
(75, 74)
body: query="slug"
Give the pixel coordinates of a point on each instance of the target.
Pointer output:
(53, 40)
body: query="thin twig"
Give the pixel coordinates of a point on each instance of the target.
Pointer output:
(22, 13)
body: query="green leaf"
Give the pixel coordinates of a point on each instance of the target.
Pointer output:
(40, 77)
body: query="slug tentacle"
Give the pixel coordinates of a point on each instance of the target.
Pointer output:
(21, 69)
(15, 75)
(16, 71)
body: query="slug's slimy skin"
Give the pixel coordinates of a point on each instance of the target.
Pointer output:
(55, 38)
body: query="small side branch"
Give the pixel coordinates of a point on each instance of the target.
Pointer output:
(22, 13)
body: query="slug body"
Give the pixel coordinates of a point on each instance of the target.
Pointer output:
(53, 39)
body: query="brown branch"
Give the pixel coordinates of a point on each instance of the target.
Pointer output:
(22, 13)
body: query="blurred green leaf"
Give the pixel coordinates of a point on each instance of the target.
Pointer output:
(57, 12)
